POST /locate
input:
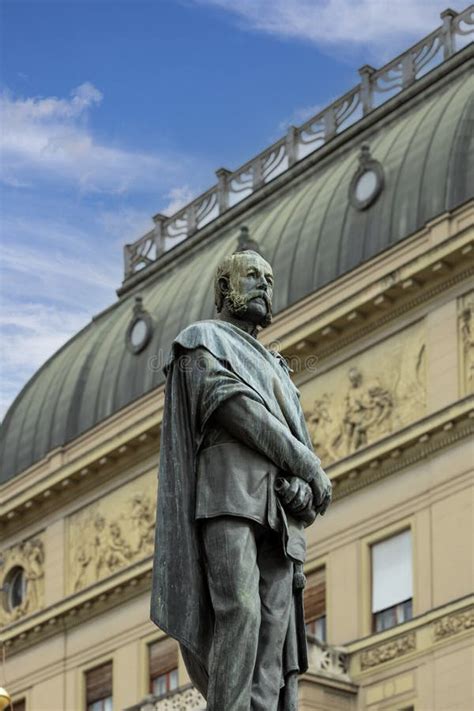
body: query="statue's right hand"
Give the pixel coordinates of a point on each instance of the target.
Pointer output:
(322, 490)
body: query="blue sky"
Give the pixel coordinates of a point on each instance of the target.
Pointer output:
(113, 110)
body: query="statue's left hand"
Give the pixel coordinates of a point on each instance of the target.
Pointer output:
(322, 491)
(298, 496)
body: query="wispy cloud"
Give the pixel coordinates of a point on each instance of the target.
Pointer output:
(300, 115)
(71, 201)
(54, 278)
(51, 138)
(57, 275)
(177, 198)
(29, 336)
(124, 224)
(381, 25)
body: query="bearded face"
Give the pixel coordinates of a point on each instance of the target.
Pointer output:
(248, 290)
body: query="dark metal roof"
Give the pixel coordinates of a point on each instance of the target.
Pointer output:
(308, 230)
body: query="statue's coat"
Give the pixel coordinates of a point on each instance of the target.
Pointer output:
(180, 603)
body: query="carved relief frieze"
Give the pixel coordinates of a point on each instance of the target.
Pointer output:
(112, 533)
(22, 579)
(453, 624)
(387, 651)
(368, 397)
(466, 342)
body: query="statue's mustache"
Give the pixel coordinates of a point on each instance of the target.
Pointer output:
(260, 295)
(240, 302)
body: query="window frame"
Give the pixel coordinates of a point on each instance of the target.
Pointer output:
(88, 704)
(365, 587)
(167, 677)
(144, 661)
(81, 671)
(165, 641)
(316, 566)
(14, 705)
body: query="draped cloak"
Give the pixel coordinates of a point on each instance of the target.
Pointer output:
(180, 602)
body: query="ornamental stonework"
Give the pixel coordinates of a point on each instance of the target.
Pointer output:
(466, 342)
(453, 624)
(387, 651)
(367, 397)
(112, 533)
(22, 579)
(187, 700)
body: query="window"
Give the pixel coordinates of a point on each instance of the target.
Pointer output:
(140, 328)
(15, 588)
(19, 705)
(315, 604)
(163, 666)
(99, 688)
(367, 182)
(392, 585)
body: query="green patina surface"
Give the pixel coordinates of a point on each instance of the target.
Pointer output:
(309, 232)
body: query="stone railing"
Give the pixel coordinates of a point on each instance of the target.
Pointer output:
(331, 662)
(184, 699)
(375, 88)
(326, 660)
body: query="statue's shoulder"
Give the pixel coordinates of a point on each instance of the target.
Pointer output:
(211, 335)
(200, 333)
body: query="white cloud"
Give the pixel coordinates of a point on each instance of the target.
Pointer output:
(61, 260)
(34, 332)
(301, 115)
(47, 297)
(177, 198)
(30, 335)
(124, 224)
(51, 138)
(61, 248)
(383, 25)
(58, 272)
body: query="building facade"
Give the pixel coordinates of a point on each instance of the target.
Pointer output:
(366, 213)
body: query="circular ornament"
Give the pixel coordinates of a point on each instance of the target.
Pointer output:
(140, 328)
(367, 182)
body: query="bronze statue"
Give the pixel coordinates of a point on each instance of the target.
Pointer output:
(238, 483)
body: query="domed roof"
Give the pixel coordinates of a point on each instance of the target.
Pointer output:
(310, 232)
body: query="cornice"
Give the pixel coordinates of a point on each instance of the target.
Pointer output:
(403, 448)
(374, 463)
(78, 608)
(130, 436)
(387, 287)
(435, 628)
(426, 265)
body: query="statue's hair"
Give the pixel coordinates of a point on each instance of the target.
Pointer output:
(224, 269)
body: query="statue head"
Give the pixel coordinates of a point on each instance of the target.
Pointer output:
(99, 522)
(355, 377)
(243, 288)
(114, 529)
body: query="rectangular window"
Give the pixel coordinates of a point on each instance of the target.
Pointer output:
(99, 688)
(392, 584)
(19, 705)
(315, 604)
(163, 666)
